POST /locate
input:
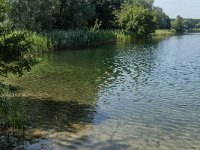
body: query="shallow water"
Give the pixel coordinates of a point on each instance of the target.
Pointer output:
(144, 95)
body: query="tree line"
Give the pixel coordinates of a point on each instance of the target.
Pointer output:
(181, 24)
(46, 15)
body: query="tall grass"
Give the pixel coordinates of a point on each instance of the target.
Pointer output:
(164, 32)
(84, 38)
(70, 39)
(12, 117)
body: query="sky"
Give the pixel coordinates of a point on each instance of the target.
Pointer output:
(185, 8)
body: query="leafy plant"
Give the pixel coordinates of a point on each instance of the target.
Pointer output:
(96, 26)
(14, 56)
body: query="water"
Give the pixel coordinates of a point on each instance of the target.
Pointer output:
(144, 95)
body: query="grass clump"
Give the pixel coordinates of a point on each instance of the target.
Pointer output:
(69, 39)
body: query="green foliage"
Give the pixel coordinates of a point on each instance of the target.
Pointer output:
(13, 118)
(12, 113)
(197, 25)
(4, 21)
(3, 10)
(49, 15)
(190, 24)
(178, 24)
(40, 43)
(104, 12)
(14, 56)
(163, 20)
(143, 3)
(84, 38)
(138, 20)
(164, 32)
(14, 46)
(42, 15)
(96, 26)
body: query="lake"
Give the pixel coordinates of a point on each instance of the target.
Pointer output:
(144, 95)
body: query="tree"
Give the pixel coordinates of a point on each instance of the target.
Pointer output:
(162, 19)
(4, 21)
(190, 24)
(50, 14)
(178, 24)
(73, 14)
(104, 12)
(197, 25)
(14, 57)
(138, 20)
(144, 3)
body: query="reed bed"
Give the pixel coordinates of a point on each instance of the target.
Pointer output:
(84, 38)
(13, 118)
(164, 32)
(70, 39)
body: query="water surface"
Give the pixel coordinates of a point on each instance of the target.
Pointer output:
(144, 95)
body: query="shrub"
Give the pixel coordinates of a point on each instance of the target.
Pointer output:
(14, 53)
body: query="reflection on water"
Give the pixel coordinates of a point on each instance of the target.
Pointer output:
(143, 95)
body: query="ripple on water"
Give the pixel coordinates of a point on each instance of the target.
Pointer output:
(143, 95)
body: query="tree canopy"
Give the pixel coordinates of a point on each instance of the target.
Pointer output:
(51, 14)
(137, 19)
(163, 20)
(178, 24)
(47, 15)
(14, 56)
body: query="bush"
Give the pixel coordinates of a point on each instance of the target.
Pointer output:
(39, 43)
(14, 53)
(137, 20)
